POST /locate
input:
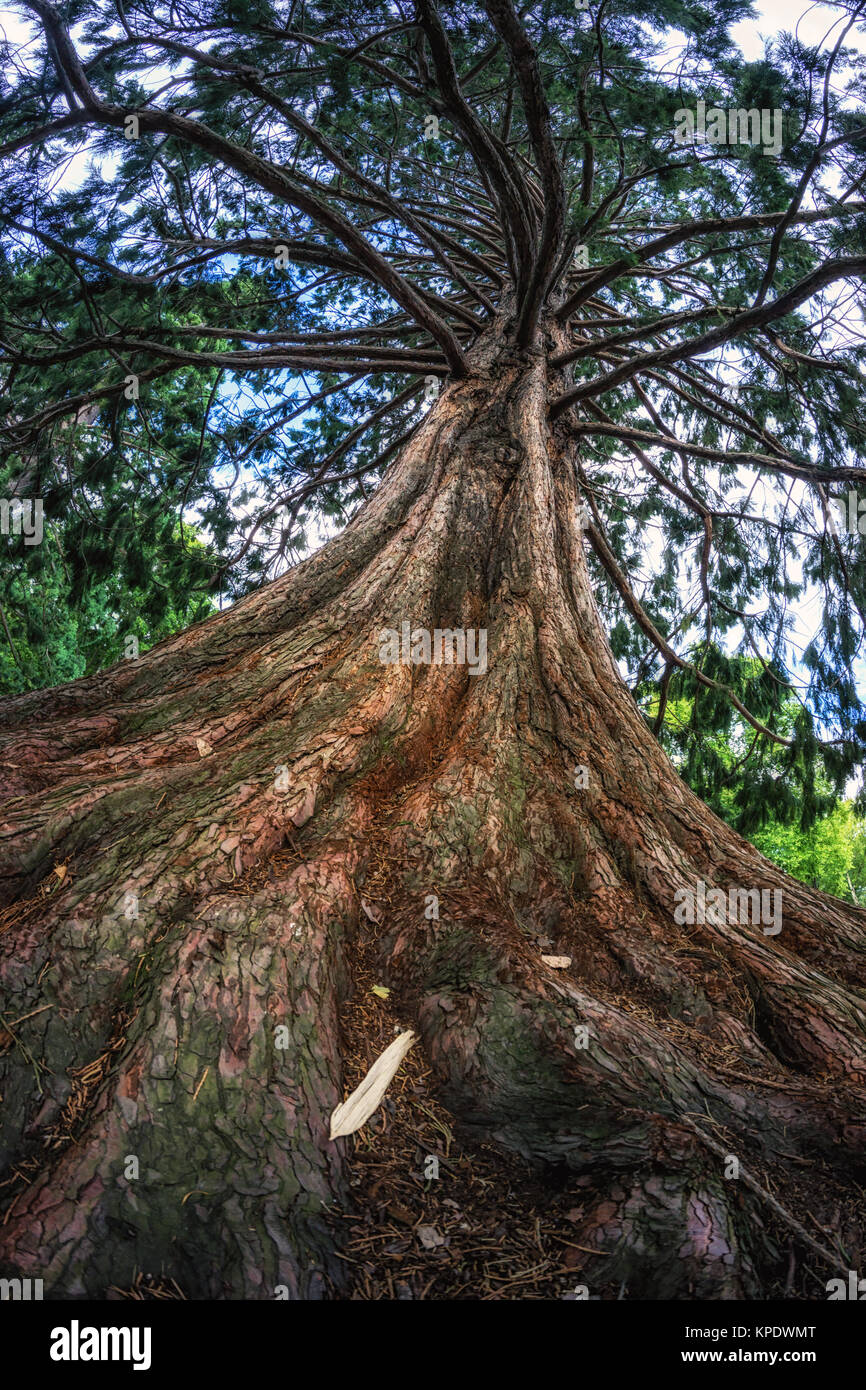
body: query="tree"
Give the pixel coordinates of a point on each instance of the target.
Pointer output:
(758, 787)
(828, 855)
(585, 385)
(64, 618)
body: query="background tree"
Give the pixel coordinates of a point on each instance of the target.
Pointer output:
(65, 616)
(759, 786)
(268, 260)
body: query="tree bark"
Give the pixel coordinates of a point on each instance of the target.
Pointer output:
(184, 979)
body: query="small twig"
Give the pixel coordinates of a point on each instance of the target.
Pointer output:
(18, 1043)
(828, 1255)
(761, 1080)
(587, 1250)
(11, 1207)
(191, 1193)
(792, 1265)
(32, 1014)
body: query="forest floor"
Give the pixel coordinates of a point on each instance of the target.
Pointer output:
(489, 1227)
(485, 1228)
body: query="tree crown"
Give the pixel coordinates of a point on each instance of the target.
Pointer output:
(244, 242)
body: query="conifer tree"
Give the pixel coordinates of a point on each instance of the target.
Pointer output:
(551, 310)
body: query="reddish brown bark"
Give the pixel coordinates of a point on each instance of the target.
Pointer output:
(416, 781)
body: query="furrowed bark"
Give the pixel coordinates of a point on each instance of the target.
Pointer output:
(223, 804)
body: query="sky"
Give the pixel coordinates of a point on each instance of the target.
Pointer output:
(777, 15)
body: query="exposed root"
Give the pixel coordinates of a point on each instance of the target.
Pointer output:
(423, 828)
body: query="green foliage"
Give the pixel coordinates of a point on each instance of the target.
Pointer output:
(62, 619)
(831, 855)
(777, 796)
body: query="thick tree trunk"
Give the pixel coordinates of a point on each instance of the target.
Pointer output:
(183, 983)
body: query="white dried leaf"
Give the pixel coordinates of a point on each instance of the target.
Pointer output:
(557, 962)
(367, 1097)
(430, 1237)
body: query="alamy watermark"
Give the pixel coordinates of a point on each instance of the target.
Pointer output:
(20, 1290)
(77, 1343)
(457, 646)
(855, 1289)
(732, 126)
(743, 906)
(24, 515)
(850, 515)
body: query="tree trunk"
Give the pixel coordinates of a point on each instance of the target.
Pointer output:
(184, 980)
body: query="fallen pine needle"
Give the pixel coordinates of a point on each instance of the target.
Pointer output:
(16, 1021)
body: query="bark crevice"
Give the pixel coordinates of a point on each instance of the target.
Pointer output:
(216, 905)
